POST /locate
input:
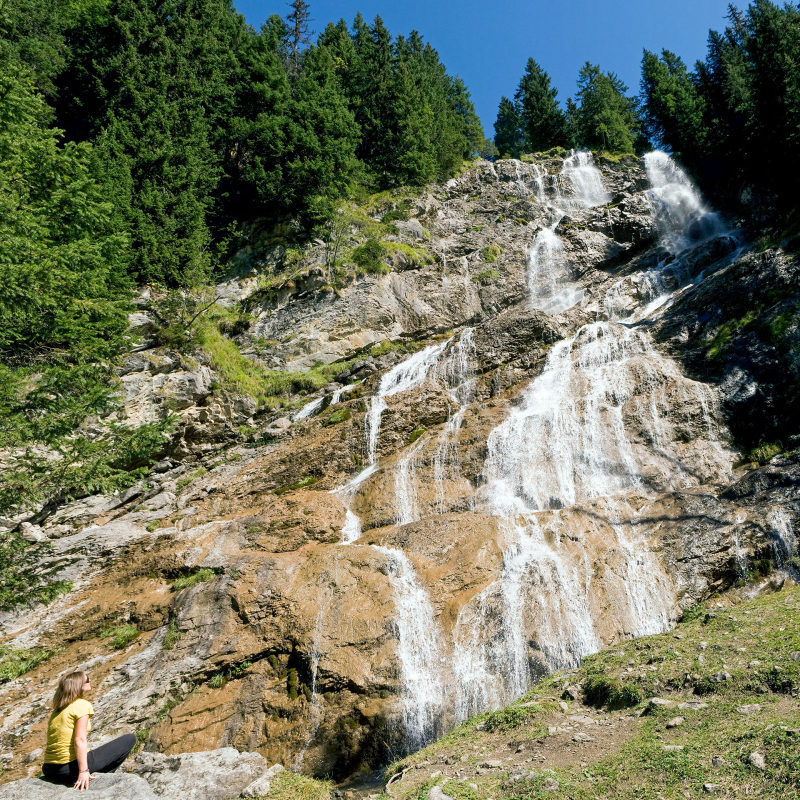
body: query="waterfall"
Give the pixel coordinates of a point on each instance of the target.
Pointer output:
(456, 372)
(418, 651)
(308, 409)
(405, 485)
(406, 375)
(582, 176)
(784, 540)
(549, 276)
(681, 214)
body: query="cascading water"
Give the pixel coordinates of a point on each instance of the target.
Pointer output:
(684, 220)
(551, 286)
(418, 651)
(784, 539)
(582, 176)
(591, 430)
(405, 485)
(682, 216)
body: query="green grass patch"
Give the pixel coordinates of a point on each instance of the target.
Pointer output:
(15, 662)
(340, 415)
(172, 636)
(764, 452)
(602, 691)
(187, 479)
(309, 480)
(202, 575)
(291, 786)
(487, 276)
(415, 255)
(119, 635)
(415, 434)
(491, 253)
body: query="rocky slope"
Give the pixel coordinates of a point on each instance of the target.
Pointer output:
(532, 451)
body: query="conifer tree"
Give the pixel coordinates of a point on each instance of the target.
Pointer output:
(541, 116)
(510, 133)
(298, 34)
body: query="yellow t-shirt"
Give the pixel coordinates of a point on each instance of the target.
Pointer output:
(61, 732)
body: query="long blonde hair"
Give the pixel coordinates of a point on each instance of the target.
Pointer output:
(69, 689)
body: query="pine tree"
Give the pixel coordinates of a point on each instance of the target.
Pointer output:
(298, 34)
(673, 108)
(510, 134)
(541, 116)
(607, 119)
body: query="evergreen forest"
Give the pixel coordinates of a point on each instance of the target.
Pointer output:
(145, 143)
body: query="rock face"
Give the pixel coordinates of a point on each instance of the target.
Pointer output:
(540, 465)
(103, 787)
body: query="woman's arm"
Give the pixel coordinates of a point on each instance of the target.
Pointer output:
(82, 752)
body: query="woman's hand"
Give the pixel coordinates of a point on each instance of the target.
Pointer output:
(82, 751)
(83, 781)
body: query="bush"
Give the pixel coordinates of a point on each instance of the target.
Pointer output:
(369, 257)
(486, 276)
(340, 415)
(491, 253)
(510, 717)
(600, 690)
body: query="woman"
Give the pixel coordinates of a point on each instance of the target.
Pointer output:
(67, 758)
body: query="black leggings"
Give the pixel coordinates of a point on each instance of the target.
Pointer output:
(105, 758)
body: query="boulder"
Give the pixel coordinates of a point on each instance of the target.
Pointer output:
(115, 786)
(211, 775)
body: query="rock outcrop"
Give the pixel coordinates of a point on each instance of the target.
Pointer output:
(272, 586)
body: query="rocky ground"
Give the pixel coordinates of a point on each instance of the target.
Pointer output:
(214, 602)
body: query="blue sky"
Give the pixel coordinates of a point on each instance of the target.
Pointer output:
(488, 43)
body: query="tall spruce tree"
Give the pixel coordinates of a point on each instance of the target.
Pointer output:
(541, 116)
(298, 34)
(608, 119)
(510, 132)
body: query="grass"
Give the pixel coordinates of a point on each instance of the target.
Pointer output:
(120, 635)
(15, 662)
(753, 641)
(486, 276)
(491, 253)
(186, 480)
(764, 452)
(291, 786)
(173, 634)
(415, 434)
(309, 480)
(202, 575)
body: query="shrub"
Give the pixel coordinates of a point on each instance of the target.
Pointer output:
(292, 684)
(510, 717)
(486, 276)
(369, 257)
(764, 452)
(340, 415)
(120, 635)
(491, 253)
(600, 690)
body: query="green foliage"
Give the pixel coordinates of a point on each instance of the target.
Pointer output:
(510, 717)
(201, 576)
(491, 253)
(293, 786)
(486, 276)
(172, 635)
(183, 482)
(120, 635)
(764, 452)
(340, 415)
(510, 131)
(415, 434)
(24, 581)
(601, 690)
(369, 257)
(309, 480)
(542, 118)
(292, 684)
(14, 662)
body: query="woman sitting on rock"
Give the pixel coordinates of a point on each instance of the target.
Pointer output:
(67, 758)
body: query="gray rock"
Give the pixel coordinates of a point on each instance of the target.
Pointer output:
(718, 761)
(116, 786)
(672, 748)
(211, 775)
(675, 722)
(757, 760)
(713, 788)
(551, 785)
(32, 533)
(436, 793)
(257, 788)
(795, 656)
(33, 755)
(692, 705)
(721, 677)
(492, 763)
(582, 737)
(658, 702)
(748, 710)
